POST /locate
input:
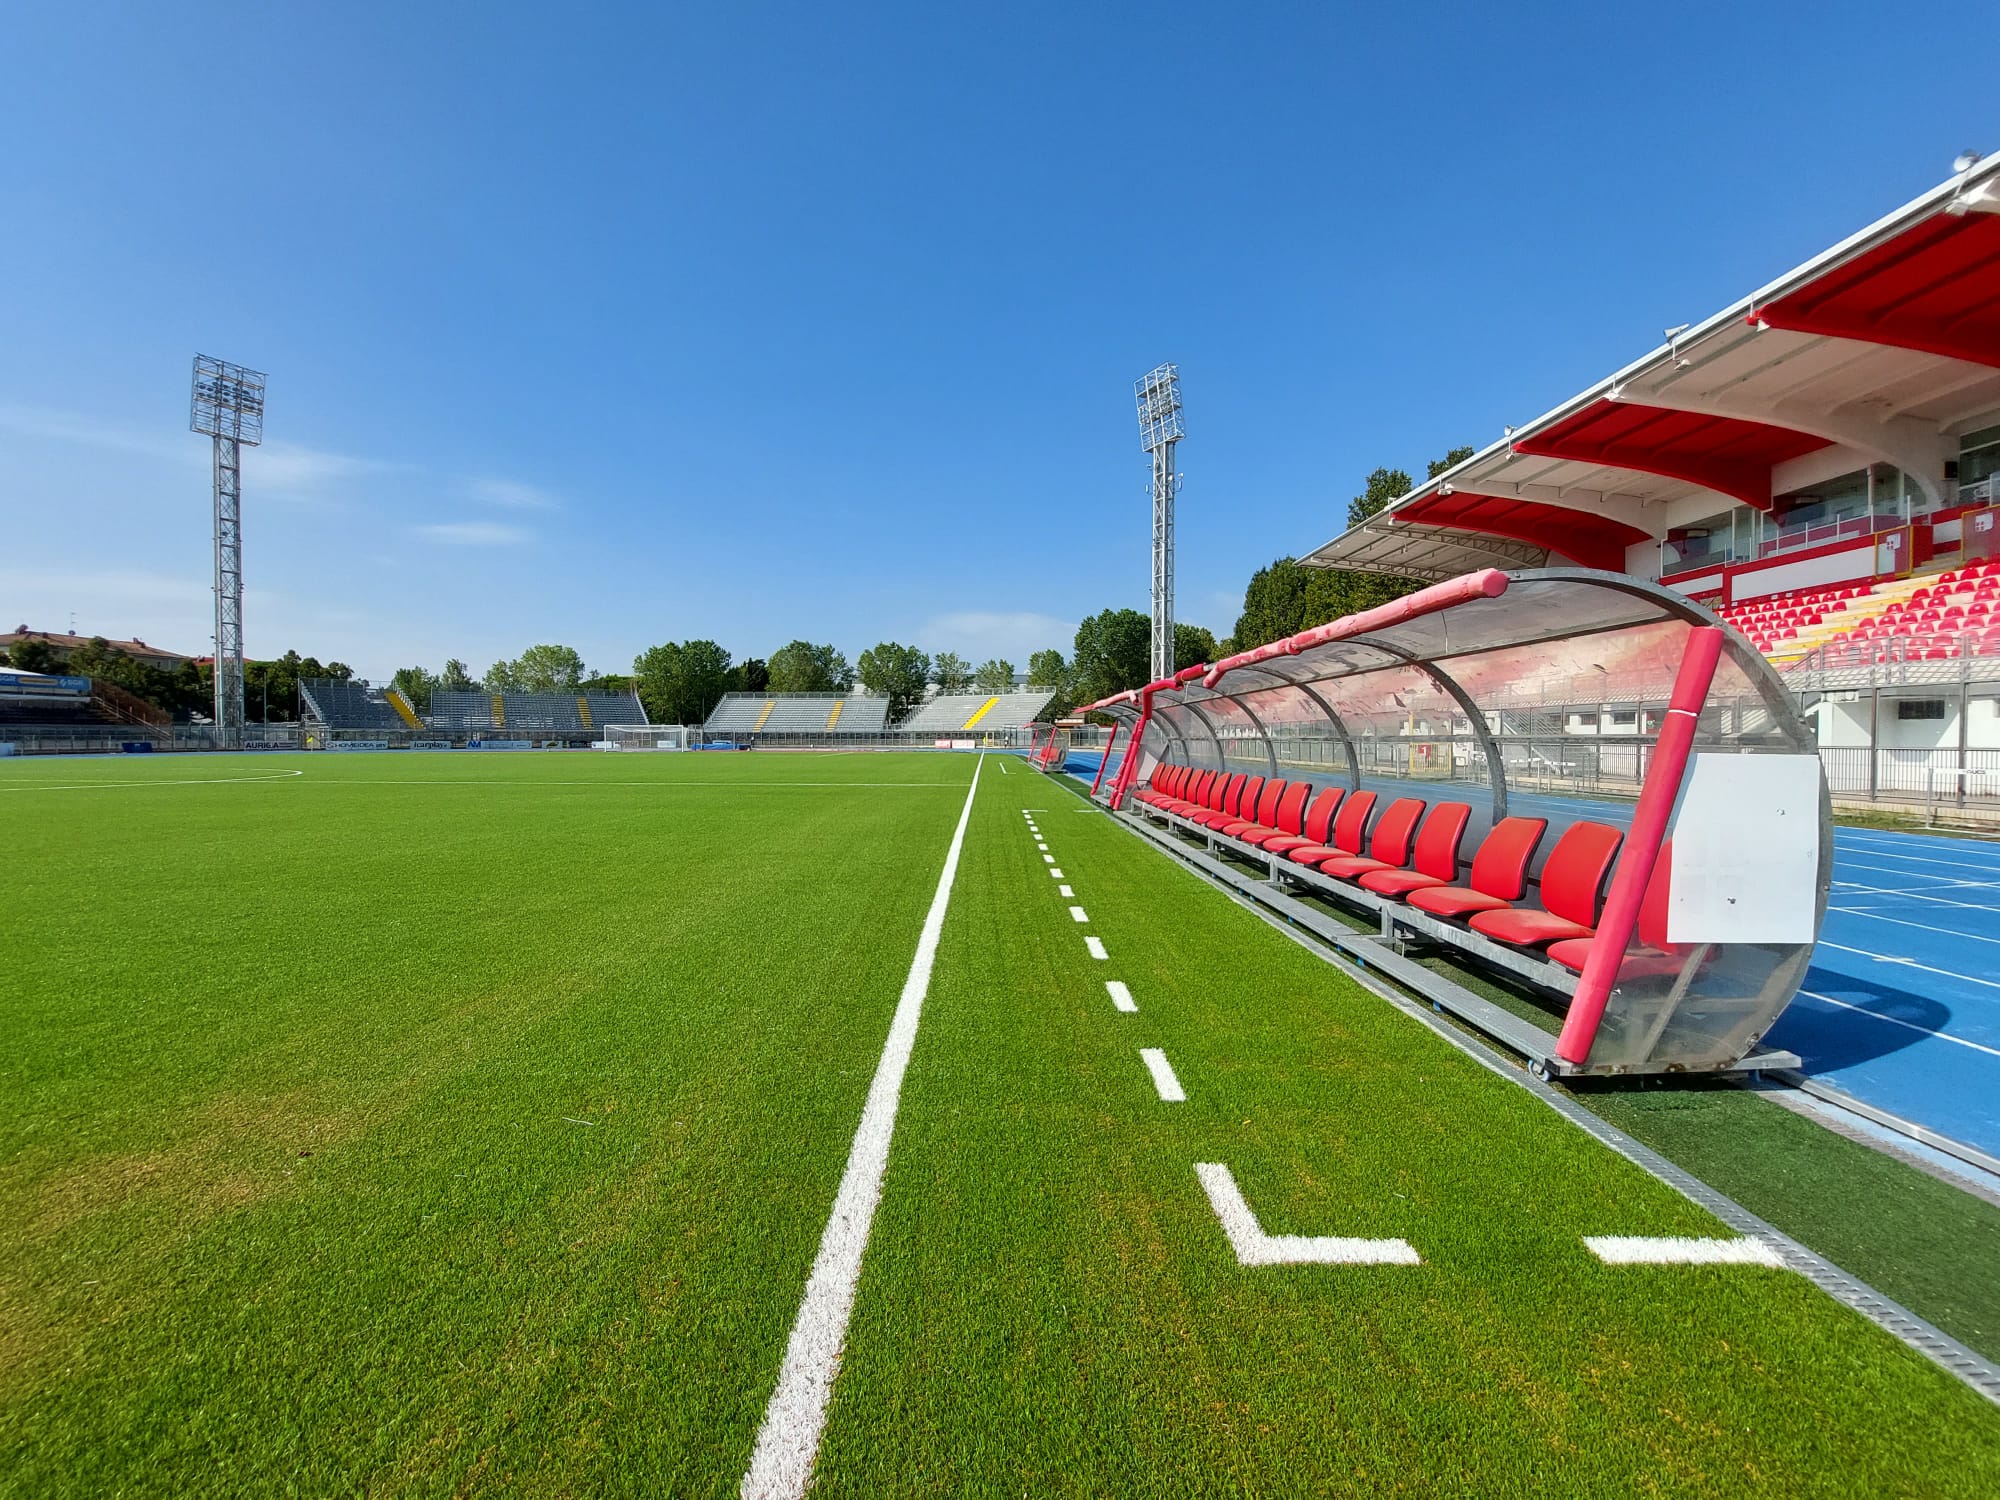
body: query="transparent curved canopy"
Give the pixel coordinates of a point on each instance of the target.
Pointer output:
(1543, 700)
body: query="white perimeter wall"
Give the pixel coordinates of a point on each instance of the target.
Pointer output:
(1846, 724)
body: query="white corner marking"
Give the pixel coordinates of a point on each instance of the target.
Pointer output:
(1253, 1247)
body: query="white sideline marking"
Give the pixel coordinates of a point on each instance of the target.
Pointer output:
(1876, 1015)
(1163, 1075)
(92, 786)
(1639, 1250)
(1048, 859)
(1055, 873)
(1077, 914)
(1063, 890)
(1121, 994)
(1096, 947)
(1253, 1247)
(782, 1463)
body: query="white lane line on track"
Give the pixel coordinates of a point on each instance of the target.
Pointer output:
(1876, 916)
(782, 1463)
(1253, 1247)
(1063, 890)
(1121, 995)
(1096, 947)
(1078, 914)
(1922, 859)
(94, 786)
(1880, 890)
(1876, 1015)
(1899, 961)
(1644, 1250)
(1944, 882)
(1168, 1086)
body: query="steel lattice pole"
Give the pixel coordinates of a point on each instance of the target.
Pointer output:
(228, 593)
(1163, 561)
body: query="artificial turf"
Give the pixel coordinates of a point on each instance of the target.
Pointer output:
(433, 1124)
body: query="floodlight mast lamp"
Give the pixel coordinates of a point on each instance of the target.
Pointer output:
(1160, 428)
(228, 405)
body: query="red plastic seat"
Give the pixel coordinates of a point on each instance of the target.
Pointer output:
(1314, 821)
(1257, 803)
(1349, 824)
(1222, 808)
(1314, 826)
(1499, 872)
(1285, 817)
(1389, 849)
(1435, 860)
(1654, 957)
(1571, 880)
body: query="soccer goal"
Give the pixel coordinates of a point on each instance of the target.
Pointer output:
(643, 737)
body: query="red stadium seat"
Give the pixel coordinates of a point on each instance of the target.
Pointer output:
(1499, 872)
(1349, 825)
(1571, 880)
(1389, 849)
(1247, 804)
(1284, 824)
(1313, 826)
(1435, 861)
(1654, 957)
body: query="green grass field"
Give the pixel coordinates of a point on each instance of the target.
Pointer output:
(455, 1124)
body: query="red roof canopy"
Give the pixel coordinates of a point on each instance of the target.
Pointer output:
(1593, 541)
(1935, 287)
(1726, 454)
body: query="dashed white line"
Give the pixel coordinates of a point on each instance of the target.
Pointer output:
(1063, 890)
(782, 1463)
(1048, 859)
(1640, 1250)
(1121, 995)
(1078, 914)
(1096, 947)
(1163, 1075)
(1056, 874)
(1253, 1247)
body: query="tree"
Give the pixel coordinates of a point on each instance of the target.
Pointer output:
(1451, 460)
(951, 672)
(1113, 652)
(34, 656)
(548, 669)
(753, 675)
(681, 682)
(1047, 669)
(993, 676)
(1383, 486)
(1273, 604)
(1193, 646)
(456, 678)
(802, 667)
(898, 673)
(503, 677)
(415, 684)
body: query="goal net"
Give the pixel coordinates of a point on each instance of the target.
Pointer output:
(643, 737)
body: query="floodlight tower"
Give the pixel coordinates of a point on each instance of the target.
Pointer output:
(228, 405)
(1160, 427)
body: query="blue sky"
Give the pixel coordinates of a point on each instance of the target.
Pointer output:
(612, 325)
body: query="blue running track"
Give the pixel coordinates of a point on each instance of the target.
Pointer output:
(1901, 1007)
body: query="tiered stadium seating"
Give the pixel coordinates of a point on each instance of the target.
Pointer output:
(1924, 619)
(1407, 864)
(349, 705)
(799, 713)
(985, 713)
(529, 714)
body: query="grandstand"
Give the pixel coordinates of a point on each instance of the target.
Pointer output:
(739, 715)
(985, 713)
(337, 704)
(45, 712)
(567, 715)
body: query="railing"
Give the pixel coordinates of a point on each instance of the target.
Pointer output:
(127, 708)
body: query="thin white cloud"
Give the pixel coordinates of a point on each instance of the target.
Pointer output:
(1012, 635)
(475, 534)
(289, 469)
(508, 494)
(53, 426)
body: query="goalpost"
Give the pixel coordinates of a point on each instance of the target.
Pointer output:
(643, 737)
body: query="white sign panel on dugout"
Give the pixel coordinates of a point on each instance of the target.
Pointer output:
(1746, 851)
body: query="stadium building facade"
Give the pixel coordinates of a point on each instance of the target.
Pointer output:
(1819, 463)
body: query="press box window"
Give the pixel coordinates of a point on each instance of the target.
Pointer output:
(1920, 708)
